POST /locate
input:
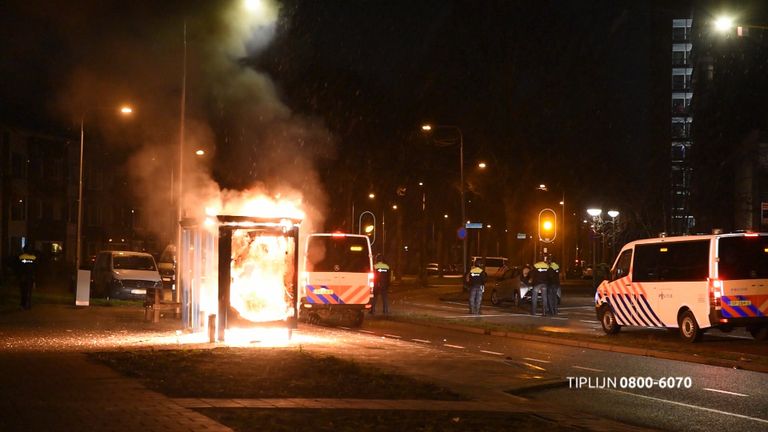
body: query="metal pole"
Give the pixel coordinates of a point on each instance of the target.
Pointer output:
(180, 204)
(463, 204)
(80, 199)
(563, 261)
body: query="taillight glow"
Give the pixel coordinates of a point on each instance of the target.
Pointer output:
(716, 292)
(370, 281)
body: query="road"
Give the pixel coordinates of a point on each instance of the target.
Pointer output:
(702, 397)
(577, 313)
(675, 395)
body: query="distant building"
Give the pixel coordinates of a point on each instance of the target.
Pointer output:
(39, 177)
(730, 178)
(718, 171)
(37, 194)
(681, 219)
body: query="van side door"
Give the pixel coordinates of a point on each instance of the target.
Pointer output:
(645, 278)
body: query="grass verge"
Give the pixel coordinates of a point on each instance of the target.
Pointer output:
(264, 373)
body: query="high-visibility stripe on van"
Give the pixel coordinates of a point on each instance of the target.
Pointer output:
(338, 294)
(744, 306)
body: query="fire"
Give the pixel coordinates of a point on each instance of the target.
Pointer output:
(262, 262)
(262, 268)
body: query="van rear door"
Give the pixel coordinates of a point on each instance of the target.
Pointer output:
(339, 269)
(743, 277)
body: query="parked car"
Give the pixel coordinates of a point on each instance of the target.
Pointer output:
(509, 289)
(124, 275)
(433, 268)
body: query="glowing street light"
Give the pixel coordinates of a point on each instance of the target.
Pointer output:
(371, 195)
(723, 23)
(200, 152)
(124, 110)
(594, 212)
(482, 165)
(428, 128)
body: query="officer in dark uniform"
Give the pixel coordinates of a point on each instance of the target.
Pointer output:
(381, 276)
(476, 279)
(553, 286)
(540, 281)
(27, 263)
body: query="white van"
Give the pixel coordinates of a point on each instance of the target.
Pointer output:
(337, 281)
(692, 283)
(124, 275)
(494, 266)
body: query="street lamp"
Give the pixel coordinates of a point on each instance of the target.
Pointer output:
(613, 214)
(124, 110)
(428, 128)
(724, 24)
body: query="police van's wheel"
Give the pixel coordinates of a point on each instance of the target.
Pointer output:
(689, 328)
(759, 333)
(608, 320)
(495, 298)
(358, 320)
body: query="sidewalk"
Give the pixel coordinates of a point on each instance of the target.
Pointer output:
(46, 391)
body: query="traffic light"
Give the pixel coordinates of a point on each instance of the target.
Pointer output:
(367, 225)
(547, 225)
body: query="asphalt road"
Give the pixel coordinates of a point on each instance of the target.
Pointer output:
(577, 313)
(701, 397)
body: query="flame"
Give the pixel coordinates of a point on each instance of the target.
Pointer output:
(262, 270)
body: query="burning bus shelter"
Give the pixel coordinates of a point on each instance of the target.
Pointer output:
(238, 272)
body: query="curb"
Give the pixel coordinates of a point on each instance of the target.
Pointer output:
(644, 352)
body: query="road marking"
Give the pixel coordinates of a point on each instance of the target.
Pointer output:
(736, 337)
(576, 307)
(536, 360)
(454, 346)
(692, 406)
(392, 336)
(344, 328)
(366, 331)
(492, 352)
(587, 369)
(725, 392)
(590, 321)
(421, 341)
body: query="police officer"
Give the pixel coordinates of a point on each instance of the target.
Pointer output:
(540, 280)
(553, 285)
(476, 279)
(27, 263)
(381, 274)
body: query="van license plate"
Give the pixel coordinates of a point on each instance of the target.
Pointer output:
(139, 291)
(740, 303)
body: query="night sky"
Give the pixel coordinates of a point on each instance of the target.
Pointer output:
(574, 94)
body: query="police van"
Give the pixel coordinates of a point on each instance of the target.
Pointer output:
(337, 281)
(691, 283)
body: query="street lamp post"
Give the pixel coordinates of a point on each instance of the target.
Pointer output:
(428, 128)
(124, 110)
(595, 214)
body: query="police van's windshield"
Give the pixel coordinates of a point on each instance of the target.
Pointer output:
(133, 262)
(743, 257)
(338, 254)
